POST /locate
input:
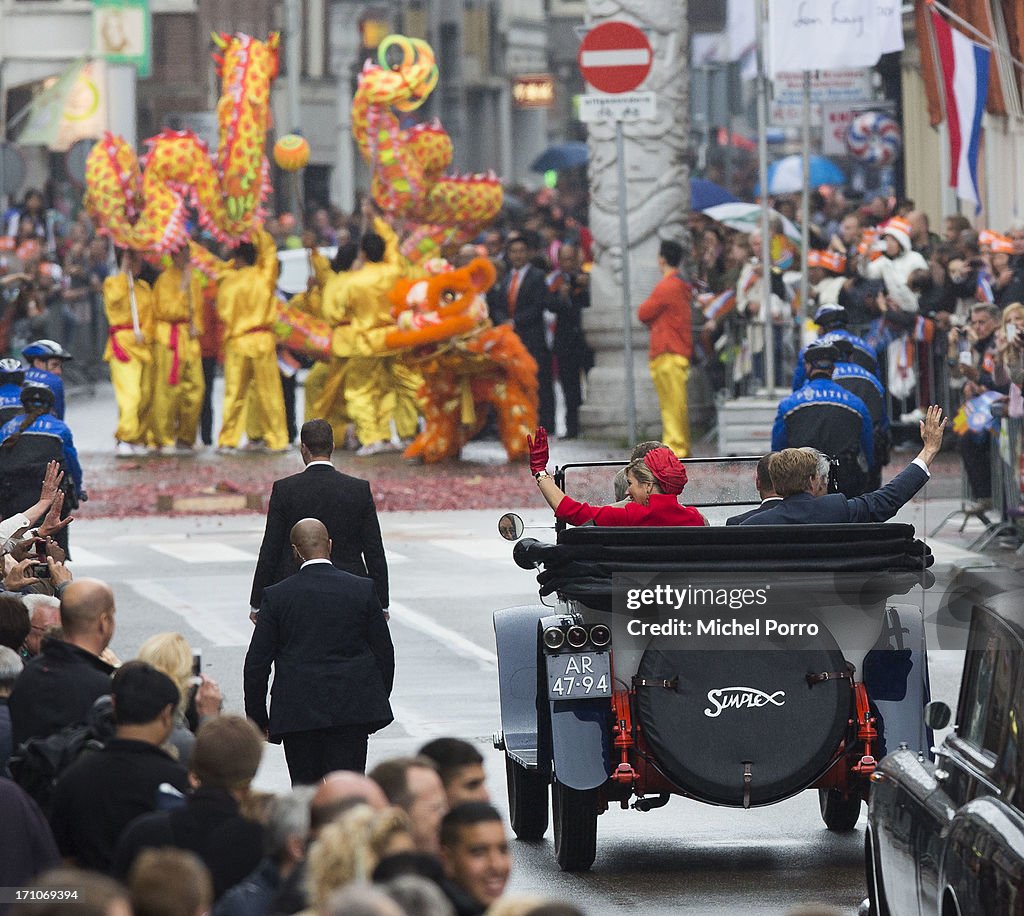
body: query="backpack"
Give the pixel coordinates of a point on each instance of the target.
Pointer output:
(38, 763)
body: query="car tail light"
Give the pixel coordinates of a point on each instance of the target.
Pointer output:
(576, 636)
(600, 635)
(554, 637)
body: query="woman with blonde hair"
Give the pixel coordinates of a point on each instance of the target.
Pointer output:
(1010, 366)
(349, 848)
(171, 654)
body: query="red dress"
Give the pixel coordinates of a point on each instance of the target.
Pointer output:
(661, 510)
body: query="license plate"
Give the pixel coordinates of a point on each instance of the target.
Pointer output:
(579, 675)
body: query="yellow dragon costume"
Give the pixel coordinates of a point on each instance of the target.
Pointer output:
(430, 209)
(145, 209)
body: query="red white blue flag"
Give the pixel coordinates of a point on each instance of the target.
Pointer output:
(965, 66)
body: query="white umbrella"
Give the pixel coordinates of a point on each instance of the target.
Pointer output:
(747, 218)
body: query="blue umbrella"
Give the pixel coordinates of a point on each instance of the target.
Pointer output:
(704, 194)
(561, 156)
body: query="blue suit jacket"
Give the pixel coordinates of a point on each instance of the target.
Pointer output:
(835, 509)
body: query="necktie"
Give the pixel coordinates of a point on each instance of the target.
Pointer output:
(513, 292)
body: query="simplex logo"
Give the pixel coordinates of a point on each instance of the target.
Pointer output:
(741, 698)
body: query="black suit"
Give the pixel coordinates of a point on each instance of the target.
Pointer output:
(770, 503)
(345, 505)
(834, 508)
(334, 666)
(532, 298)
(567, 300)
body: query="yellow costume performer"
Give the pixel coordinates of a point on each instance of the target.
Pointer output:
(178, 384)
(311, 302)
(376, 389)
(128, 350)
(247, 306)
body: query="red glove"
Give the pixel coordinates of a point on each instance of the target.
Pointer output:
(538, 446)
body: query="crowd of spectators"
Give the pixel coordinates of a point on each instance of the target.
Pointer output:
(126, 788)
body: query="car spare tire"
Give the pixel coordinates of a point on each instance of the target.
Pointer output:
(746, 725)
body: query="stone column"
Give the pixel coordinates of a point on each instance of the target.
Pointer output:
(658, 199)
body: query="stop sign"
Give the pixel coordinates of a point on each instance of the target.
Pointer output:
(615, 57)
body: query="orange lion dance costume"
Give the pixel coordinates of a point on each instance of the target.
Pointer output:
(467, 363)
(409, 183)
(145, 209)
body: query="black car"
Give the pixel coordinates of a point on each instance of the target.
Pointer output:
(947, 837)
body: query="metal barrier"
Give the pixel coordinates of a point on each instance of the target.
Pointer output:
(1006, 485)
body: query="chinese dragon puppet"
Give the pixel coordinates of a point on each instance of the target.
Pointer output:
(468, 365)
(428, 207)
(144, 207)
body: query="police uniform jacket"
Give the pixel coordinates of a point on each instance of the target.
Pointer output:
(48, 425)
(827, 417)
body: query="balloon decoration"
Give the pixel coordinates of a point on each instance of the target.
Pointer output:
(145, 207)
(291, 152)
(874, 138)
(408, 163)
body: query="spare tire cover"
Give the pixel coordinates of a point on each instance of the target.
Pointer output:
(747, 704)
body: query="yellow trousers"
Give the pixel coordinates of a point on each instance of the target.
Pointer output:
(407, 383)
(245, 371)
(669, 372)
(369, 399)
(316, 380)
(329, 402)
(175, 409)
(132, 383)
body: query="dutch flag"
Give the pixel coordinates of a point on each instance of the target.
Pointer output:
(965, 65)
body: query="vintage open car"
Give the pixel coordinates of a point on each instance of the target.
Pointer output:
(597, 710)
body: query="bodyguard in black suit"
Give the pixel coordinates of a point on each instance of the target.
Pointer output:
(522, 298)
(324, 632)
(343, 503)
(569, 289)
(802, 484)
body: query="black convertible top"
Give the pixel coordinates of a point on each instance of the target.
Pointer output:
(581, 565)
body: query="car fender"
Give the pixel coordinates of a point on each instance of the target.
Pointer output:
(983, 861)
(902, 710)
(515, 634)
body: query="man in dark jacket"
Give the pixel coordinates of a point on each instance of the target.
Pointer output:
(802, 484)
(59, 686)
(103, 791)
(343, 503)
(522, 298)
(224, 762)
(324, 632)
(765, 489)
(570, 294)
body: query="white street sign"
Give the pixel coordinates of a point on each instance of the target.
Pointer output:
(625, 106)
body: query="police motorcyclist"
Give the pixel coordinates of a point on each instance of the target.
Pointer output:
(827, 417)
(831, 321)
(46, 360)
(857, 380)
(37, 420)
(12, 375)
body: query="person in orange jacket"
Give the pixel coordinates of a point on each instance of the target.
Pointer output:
(667, 313)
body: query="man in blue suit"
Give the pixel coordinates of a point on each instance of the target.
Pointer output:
(802, 483)
(324, 632)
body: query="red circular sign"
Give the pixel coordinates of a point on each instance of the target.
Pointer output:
(615, 57)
